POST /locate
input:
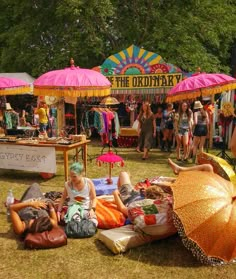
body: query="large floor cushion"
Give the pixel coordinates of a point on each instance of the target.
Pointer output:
(121, 239)
(101, 186)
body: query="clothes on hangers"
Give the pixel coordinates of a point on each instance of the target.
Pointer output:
(106, 122)
(11, 119)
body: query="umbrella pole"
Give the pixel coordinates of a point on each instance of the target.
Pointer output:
(109, 180)
(76, 130)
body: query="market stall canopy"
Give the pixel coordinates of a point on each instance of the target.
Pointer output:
(137, 71)
(23, 76)
(13, 86)
(200, 85)
(72, 82)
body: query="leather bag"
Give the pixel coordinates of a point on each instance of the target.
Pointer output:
(80, 229)
(48, 239)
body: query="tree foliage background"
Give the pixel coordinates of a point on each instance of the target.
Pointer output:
(41, 35)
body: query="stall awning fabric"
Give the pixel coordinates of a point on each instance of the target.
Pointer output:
(71, 92)
(142, 91)
(23, 76)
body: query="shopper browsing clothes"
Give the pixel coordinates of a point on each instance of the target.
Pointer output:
(146, 129)
(29, 113)
(159, 117)
(201, 128)
(183, 127)
(42, 111)
(168, 119)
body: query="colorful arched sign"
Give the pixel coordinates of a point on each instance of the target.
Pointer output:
(138, 71)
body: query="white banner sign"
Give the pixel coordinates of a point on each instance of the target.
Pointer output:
(28, 158)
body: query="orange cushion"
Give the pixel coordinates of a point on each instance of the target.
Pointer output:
(108, 215)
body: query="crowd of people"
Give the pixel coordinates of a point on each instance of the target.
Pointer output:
(181, 127)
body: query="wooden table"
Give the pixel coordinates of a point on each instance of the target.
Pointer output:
(65, 148)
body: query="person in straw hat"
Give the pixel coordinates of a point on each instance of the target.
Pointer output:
(201, 128)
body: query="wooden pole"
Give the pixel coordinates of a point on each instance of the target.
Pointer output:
(212, 129)
(75, 111)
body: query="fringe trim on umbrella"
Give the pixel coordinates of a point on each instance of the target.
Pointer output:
(15, 90)
(194, 248)
(119, 164)
(187, 95)
(72, 91)
(218, 89)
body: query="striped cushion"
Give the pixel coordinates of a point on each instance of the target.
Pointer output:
(108, 215)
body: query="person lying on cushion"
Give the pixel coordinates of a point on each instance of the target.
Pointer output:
(126, 194)
(82, 197)
(33, 213)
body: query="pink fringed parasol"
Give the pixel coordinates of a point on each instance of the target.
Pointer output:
(72, 82)
(201, 84)
(13, 86)
(111, 159)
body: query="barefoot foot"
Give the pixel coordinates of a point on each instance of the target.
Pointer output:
(175, 167)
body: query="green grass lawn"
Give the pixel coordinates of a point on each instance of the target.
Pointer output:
(89, 258)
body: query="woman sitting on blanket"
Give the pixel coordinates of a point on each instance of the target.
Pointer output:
(33, 213)
(125, 194)
(82, 197)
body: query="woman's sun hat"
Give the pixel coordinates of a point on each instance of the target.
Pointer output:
(197, 105)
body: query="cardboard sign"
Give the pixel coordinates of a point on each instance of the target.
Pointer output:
(28, 158)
